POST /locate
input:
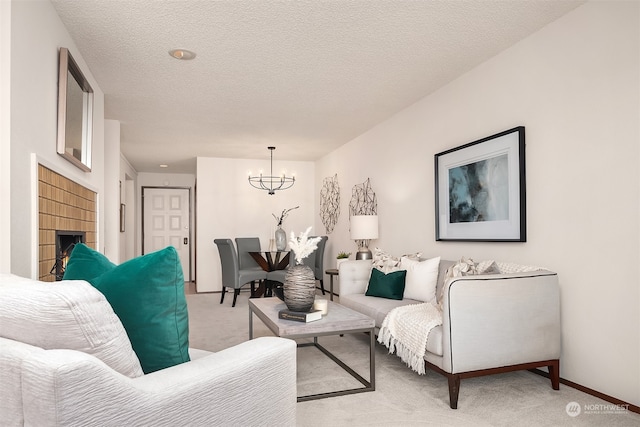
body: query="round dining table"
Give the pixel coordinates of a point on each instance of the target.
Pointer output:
(269, 261)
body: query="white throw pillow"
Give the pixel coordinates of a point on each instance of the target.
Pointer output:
(70, 314)
(422, 278)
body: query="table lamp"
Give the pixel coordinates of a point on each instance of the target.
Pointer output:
(363, 229)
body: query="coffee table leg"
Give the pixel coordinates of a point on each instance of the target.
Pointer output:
(250, 323)
(372, 360)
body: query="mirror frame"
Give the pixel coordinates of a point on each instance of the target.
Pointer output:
(67, 65)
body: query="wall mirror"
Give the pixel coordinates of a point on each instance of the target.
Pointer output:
(75, 113)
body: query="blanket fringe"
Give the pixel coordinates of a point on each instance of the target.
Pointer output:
(405, 331)
(412, 360)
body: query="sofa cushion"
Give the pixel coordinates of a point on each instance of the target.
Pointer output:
(12, 357)
(374, 307)
(65, 315)
(422, 278)
(389, 285)
(434, 341)
(147, 293)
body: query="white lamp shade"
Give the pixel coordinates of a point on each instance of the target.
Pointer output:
(364, 227)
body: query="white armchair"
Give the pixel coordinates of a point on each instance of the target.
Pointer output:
(231, 387)
(86, 383)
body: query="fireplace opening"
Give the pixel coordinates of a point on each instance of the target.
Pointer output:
(65, 241)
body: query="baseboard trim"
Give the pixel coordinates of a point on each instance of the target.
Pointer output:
(592, 392)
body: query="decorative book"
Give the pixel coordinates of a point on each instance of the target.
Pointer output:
(299, 316)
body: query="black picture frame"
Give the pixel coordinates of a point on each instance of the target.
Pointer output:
(480, 190)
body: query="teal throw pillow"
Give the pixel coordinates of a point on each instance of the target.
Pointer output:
(147, 294)
(390, 285)
(86, 264)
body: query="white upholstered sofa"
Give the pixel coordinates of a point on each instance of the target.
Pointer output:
(491, 323)
(65, 360)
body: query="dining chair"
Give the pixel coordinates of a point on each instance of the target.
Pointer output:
(319, 264)
(244, 246)
(232, 276)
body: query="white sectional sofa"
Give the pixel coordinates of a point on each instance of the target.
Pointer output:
(491, 323)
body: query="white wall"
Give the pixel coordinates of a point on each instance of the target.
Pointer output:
(112, 191)
(36, 35)
(5, 136)
(128, 195)
(575, 86)
(228, 207)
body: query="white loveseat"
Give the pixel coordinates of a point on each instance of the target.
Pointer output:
(491, 323)
(65, 360)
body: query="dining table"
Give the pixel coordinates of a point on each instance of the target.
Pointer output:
(269, 261)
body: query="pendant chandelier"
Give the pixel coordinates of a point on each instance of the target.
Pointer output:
(272, 183)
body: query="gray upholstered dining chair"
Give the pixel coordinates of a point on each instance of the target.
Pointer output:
(244, 246)
(318, 269)
(232, 276)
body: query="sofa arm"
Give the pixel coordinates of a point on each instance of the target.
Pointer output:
(500, 320)
(354, 277)
(253, 383)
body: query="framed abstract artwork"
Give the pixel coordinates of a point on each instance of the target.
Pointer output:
(480, 190)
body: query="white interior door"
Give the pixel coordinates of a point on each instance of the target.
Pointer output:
(166, 223)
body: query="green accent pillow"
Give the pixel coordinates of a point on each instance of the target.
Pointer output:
(389, 285)
(147, 294)
(86, 264)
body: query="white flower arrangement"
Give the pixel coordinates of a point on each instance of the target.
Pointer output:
(303, 246)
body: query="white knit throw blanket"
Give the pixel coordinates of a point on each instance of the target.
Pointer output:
(405, 330)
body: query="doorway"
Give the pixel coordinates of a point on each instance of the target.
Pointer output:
(166, 213)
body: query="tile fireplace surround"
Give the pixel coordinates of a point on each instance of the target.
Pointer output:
(63, 205)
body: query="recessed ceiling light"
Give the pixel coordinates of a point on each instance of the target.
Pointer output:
(164, 166)
(182, 54)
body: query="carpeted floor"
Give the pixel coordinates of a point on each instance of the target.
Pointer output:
(401, 398)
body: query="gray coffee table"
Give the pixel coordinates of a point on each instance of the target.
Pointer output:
(338, 321)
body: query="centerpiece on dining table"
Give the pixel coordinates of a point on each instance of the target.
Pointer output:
(280, 235)
(300, 279)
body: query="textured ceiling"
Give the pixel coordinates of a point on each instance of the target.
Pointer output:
(304, 76)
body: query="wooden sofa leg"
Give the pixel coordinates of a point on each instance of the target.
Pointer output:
(454, 388)
(554, 374)
(222, 296)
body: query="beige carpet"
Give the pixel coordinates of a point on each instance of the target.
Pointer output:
(402, 398)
